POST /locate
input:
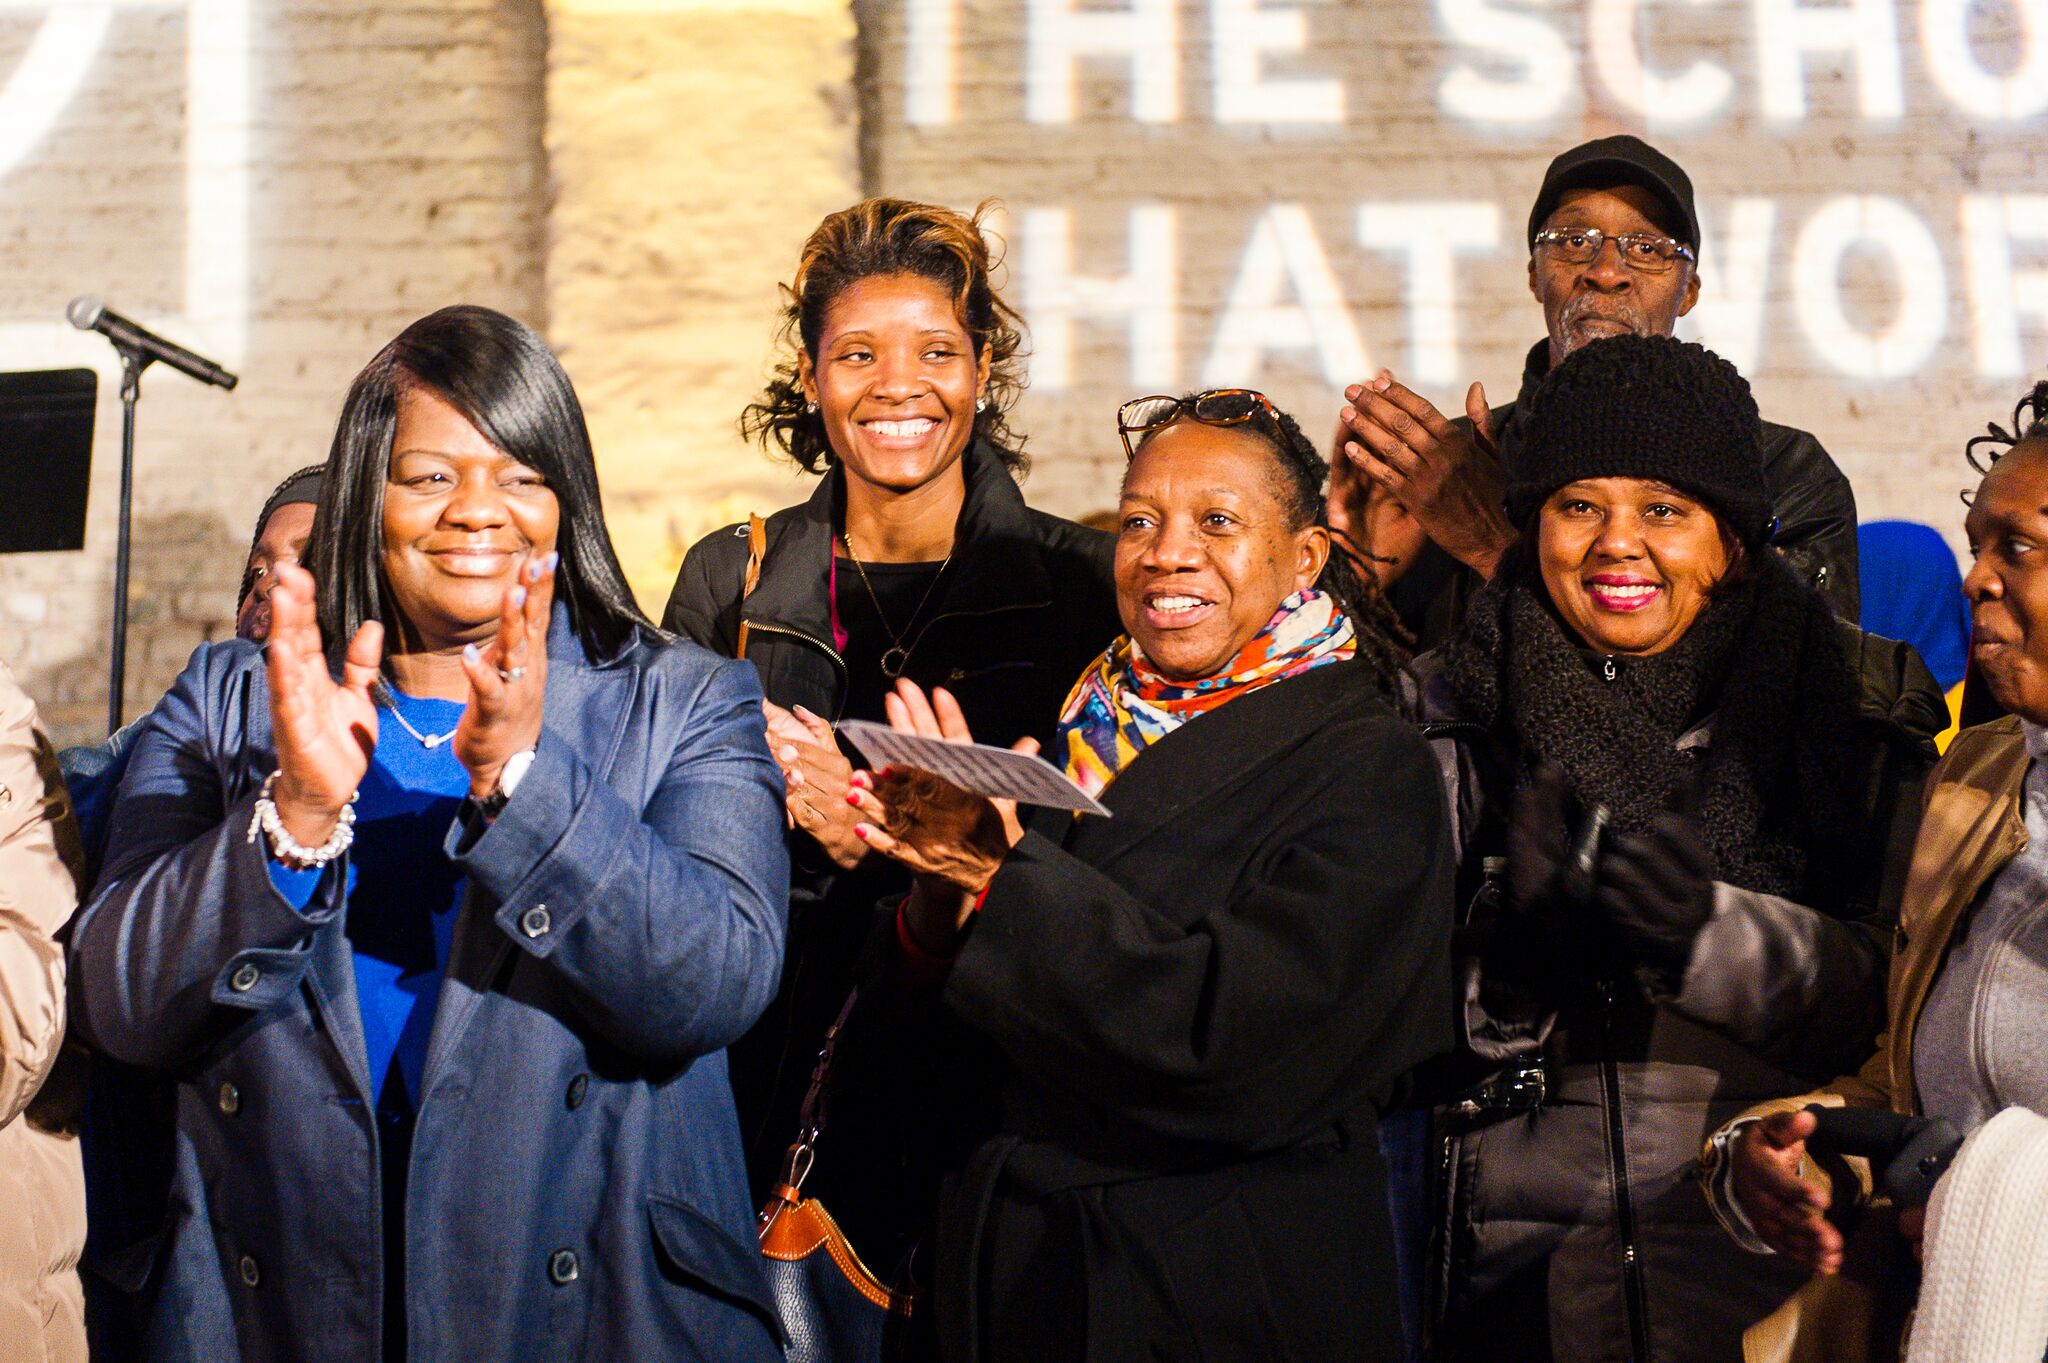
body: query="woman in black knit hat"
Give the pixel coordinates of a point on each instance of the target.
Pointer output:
(1674, 777)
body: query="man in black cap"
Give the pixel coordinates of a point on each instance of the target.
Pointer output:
(1613, 250)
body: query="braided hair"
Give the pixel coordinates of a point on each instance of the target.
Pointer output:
(1303, 472)
(2029, 421)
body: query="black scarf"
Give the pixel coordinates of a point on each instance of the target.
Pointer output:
(1777, 798)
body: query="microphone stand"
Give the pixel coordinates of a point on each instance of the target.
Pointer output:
(133, 362)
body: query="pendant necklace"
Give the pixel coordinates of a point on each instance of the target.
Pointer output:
(897, 656)
(427, 741)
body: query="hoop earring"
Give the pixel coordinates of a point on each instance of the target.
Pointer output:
(981, 404)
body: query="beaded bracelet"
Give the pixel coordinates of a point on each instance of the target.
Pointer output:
(289, 850)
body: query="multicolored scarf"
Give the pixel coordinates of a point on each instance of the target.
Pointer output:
(1120, 705)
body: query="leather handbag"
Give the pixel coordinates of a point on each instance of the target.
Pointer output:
(833, 1308)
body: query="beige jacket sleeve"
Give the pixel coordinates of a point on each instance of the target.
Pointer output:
(39, 850)
(1848, 1182)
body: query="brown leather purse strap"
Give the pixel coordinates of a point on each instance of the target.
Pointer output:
(757, 549)
(797, 1160)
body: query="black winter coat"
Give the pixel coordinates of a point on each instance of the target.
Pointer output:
(1816, 526)
(1571, 1225)
(1201, 1005)
(1026, 605)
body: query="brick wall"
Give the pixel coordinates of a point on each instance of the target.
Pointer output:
(285, 184)
(693, 145)
(1356, 173)
(282, 185)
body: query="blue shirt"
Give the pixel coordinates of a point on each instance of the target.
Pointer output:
(403, 890)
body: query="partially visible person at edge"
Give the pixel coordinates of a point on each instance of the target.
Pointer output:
(1451, 474)
(1199, 1006)
(440, 911)
(129, 1125)
(42, 1185)
(1914, 593)
(94, 772)
(1968, 1012)
(915, 558)
(1676, 777)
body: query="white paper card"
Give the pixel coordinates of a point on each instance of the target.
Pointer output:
(977, 767)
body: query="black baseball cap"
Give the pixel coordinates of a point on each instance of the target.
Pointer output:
(1620, 160)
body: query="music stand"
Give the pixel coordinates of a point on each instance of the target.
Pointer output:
(45, 459)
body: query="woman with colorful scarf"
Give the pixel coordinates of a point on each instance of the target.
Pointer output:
(1676, 778)
(1198, 1007)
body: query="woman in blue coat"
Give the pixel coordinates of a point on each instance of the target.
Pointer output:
(442, 933)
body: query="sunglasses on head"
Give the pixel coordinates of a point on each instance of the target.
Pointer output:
(1217, 407)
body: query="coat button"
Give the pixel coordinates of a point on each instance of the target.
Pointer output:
(230, 1099)
(251, 1274)
(578, 1086)
(563, 1268)
(245, 977)
(534, 922)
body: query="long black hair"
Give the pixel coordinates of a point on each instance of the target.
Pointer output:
(1302, 476)
(503, 379)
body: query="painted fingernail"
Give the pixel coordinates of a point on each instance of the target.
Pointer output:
(860, 830)
(554, 559)
(470, 652)
(853, 797)
(519, 596)
(534, 569)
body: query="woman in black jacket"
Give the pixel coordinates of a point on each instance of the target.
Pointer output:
(1675, 778)
(915, 558)
(1202, 1003)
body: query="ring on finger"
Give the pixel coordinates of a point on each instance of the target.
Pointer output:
(511, 674)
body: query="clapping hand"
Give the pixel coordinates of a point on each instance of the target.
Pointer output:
(1450, 480)
(955, 841)
(816, 778)
(508, 679)
(324, 730)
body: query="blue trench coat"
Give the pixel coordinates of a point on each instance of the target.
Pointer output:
(576, 1189)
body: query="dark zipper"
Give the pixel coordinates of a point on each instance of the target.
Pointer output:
(840, 662)
(967, 615)
(1624, 1205)
(830, 652)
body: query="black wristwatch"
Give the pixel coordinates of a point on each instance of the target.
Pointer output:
(509, 777)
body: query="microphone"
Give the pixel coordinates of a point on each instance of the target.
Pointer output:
(88, 313)
(1908, 1155)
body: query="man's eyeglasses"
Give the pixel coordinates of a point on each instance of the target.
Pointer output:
(1217, 407)
(1646, 252)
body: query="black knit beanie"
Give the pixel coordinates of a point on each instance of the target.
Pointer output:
(1644, 407)
(302, 485)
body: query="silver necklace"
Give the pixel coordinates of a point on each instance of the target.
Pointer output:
(427, 741)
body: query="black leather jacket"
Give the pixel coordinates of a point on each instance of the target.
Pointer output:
(1816, 525)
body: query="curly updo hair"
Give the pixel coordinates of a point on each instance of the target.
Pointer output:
(2029, 422)
(879, 237)
(1300, 476)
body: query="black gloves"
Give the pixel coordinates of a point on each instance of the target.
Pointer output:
(1585, 902)
(1536, 839)
(1657, 890)
(1547, 934)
